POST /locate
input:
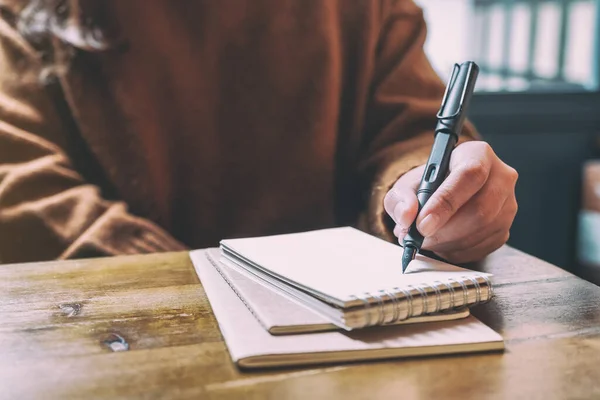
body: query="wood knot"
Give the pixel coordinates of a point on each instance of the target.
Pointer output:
(71, 309)
(117, 343)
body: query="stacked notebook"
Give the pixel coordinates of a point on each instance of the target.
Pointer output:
(338, 295)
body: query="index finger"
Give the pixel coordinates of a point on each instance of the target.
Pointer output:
(469, 170)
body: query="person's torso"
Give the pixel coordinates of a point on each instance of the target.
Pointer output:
(223, 119)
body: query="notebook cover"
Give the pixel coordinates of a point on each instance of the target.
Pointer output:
(251, 346)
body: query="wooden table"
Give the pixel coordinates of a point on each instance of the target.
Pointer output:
(141, 326)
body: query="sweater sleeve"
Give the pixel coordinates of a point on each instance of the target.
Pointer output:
(406, 95)
(47, 210)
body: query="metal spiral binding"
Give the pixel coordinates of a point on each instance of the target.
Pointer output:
(381, 317)
(395, 306)
(451, 291)
(438, 298)
(394, 301)
(465, 291)
(477, 290)
(367, 309)
(408, 297)
(424, 297)
(489, 287)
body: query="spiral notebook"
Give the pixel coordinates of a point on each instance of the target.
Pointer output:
(279, 314)
(251, 346)
(354, 280)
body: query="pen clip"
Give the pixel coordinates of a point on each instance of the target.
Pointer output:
(450, 86)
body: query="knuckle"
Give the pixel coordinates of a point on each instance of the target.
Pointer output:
(446, 201)
(513, 174)
(475, 172)
(513, 207)
(483, 213)
(509, 211)
(480, 148)
(506, 225)
(485, 149)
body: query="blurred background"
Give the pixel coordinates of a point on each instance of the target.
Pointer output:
(538, 105)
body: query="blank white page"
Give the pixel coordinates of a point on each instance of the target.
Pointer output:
(342, 262)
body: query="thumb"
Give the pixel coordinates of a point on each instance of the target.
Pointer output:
(401, 201)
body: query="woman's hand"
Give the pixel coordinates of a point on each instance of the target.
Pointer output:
(470, 214)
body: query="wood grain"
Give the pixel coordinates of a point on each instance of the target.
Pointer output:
(141, 327)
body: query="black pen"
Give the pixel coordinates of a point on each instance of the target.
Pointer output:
(451, 118)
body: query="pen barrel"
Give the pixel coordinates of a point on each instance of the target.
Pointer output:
(435, 172)
(438, 164)
(451, 117)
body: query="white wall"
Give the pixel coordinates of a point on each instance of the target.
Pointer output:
(447, 42)
(453, 31)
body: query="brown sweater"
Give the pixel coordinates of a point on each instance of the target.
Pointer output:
(217, 119)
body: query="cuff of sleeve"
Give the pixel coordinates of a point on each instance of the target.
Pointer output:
(120, 233)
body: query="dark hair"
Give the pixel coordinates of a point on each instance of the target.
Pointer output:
(78, 24)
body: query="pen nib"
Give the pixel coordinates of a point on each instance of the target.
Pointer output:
(409, 254)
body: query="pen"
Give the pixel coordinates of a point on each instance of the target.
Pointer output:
(451, 117)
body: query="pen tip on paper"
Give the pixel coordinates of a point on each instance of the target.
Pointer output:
(409, 254)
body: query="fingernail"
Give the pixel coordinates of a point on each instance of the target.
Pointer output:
(428, 225)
